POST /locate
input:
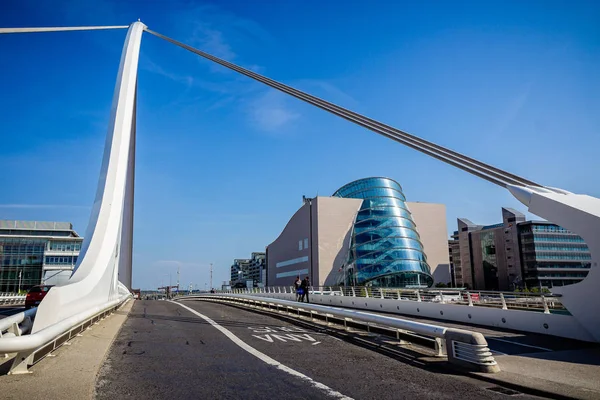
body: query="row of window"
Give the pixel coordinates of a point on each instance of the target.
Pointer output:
(62, 260)
(21, 260)
(549, 228)
(65, 246)
(355, 186)
(580, 247)
(559, 256)
(556, 238)
(22, 249)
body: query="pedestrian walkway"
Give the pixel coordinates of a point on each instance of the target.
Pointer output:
(70, 373)
(569, 373)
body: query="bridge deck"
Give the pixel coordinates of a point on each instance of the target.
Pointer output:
(165, 351)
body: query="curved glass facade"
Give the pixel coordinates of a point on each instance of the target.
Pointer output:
(386, 249)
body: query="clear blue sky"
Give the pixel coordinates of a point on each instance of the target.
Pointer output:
(223, 162)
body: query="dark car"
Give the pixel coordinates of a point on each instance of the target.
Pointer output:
(35, 295)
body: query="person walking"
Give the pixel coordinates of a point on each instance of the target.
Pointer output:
(304, 286)
(297, 284)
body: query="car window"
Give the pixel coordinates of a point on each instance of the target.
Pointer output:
(45, 289)
(35, 289)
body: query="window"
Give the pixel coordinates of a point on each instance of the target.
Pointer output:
(306, 243)
(299, 244)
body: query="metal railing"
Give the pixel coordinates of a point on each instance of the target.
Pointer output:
(29, 349)
(462, 347)
(541, 302)
(12, 299)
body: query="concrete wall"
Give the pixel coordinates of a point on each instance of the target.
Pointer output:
(287, 248)
(430, 219)
(336, 217)
(332, 219)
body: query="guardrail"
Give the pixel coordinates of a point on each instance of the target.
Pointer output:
(462, 347)
(541, 302)
(12, 299)
(17, 324)
(32, 348)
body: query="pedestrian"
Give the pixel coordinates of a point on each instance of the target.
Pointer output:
(297, 284)
(305, 285)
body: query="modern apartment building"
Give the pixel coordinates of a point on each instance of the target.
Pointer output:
(36, 252)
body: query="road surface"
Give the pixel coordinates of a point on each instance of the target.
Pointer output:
(213, 351)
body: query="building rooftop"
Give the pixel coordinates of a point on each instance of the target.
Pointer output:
(44, 228)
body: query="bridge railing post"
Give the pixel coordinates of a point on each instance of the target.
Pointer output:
(545, 302)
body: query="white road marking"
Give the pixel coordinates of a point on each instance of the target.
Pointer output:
(519, 344)
(265, 358)
(316, 343)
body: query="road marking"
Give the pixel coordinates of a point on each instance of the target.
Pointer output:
(316, 343)
(519, 344)
(265, 358)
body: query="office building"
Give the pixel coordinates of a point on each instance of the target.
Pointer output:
(35, 252)
(516, 254)
(365, 234)
(249, 269)
(551, 255)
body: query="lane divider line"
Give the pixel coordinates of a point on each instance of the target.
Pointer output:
(265, 358)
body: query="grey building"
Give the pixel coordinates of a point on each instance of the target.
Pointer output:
(36, 252)
(253, 268)
(516, 253)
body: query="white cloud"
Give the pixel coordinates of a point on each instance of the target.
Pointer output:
(270, 112)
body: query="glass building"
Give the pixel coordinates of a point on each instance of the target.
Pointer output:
(552, 255)
(34, 252)
(385, 248)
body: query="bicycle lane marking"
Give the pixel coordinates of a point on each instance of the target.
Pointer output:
(265, 358)
(277, 334)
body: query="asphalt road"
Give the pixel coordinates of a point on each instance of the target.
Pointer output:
(167, 351)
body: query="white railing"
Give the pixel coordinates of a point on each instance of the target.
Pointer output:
(542, 302)
(17, 324)
(462, 347)
(29, 349)
(12, 299)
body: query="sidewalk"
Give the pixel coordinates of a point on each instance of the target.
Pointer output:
(569, 373)
(71, 372)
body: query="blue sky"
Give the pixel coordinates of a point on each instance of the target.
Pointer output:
(223, 162)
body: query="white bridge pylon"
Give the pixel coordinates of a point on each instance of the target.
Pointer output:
(106, 255)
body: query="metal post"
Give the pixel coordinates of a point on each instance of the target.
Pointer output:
(503, 301)
(469, 299)
(545, 302)
(418, 295)
(353, 292)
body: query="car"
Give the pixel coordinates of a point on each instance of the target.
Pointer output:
(35, 295)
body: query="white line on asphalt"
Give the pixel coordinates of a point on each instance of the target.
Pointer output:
(265, 358)
(519, 344)
(316, 343)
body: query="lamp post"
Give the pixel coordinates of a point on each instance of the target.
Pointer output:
(20, 276)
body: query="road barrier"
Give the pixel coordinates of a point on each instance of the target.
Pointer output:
(462, 347)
